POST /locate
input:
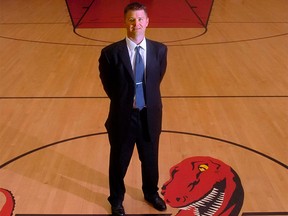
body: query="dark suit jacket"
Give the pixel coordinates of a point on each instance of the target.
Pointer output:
(118, 81)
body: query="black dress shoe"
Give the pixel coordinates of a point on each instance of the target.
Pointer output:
(157, 202)
(118, 210)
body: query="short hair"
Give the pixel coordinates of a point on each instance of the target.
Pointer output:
(135, 6)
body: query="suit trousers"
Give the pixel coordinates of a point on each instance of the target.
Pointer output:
(121, 152)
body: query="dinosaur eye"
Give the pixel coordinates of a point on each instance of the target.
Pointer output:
(203, 167)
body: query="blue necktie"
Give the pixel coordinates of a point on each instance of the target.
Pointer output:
(139, 78)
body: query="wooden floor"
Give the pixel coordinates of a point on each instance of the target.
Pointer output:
(225, 95)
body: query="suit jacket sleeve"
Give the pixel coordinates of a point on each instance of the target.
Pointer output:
(163, 62)
(104, 69)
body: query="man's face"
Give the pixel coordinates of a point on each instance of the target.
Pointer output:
(136, 22)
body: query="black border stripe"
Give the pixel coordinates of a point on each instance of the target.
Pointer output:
(264, 213)
(244, 214)
(163, 97)
(89, 214)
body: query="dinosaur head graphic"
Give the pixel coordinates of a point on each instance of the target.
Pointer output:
(8, 206)
(203, 186)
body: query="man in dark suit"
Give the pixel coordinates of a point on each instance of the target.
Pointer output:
(129, 121)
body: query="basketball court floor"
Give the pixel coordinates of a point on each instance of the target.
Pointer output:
(225, 99)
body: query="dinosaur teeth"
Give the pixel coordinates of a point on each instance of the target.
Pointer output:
(214, 196)
(186, 208)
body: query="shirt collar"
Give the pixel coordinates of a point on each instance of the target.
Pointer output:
(131, 45)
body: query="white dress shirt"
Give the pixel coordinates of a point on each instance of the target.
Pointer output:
(131, 49)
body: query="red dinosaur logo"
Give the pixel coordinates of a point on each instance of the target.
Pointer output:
(204, 186)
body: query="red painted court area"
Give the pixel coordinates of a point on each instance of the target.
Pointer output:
(163, 13)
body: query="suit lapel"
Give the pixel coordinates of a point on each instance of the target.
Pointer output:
(149, 57)
(124, 56)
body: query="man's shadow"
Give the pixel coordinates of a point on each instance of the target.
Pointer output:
(71, 176)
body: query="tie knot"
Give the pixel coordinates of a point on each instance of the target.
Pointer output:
(137, 48)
